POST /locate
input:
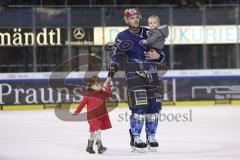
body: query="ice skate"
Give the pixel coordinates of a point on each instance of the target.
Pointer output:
(89, 148)
(152, 143)
(101, 149)
(137, 144)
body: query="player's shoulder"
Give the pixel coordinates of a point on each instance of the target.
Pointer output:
(123, 33)
(126, 31)
(144, 29)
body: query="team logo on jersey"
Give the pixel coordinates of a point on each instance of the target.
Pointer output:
(125, 45)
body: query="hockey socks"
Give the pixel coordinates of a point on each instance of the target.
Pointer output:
(137, 121)
(151, 127)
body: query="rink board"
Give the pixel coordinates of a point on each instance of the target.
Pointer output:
(124, 105)
(179, 87)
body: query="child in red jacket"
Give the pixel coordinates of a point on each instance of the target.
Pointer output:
(97, 114)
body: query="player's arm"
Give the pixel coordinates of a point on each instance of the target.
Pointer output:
(115, 60)
(81, 106)
(154, 55)
(162, 57)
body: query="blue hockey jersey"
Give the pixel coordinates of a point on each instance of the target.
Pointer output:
(130, 44)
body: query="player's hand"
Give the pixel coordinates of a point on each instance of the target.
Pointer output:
(108, 82)
(152, 54)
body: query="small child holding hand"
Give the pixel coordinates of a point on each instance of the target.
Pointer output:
(97, 114)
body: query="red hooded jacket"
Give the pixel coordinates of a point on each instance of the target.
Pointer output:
(97, 114)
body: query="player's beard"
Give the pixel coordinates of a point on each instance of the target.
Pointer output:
(134, 29)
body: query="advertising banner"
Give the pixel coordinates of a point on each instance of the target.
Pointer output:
(182, 85)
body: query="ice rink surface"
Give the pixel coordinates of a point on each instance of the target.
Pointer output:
(206, 133)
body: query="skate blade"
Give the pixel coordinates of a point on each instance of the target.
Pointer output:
(152, 149)
(138, 150)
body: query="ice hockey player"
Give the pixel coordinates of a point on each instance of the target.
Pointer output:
(144, 93)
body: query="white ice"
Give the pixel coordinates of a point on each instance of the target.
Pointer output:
(212, 133)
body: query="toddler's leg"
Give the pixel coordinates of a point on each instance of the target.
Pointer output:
(101, 149)
(91, 139)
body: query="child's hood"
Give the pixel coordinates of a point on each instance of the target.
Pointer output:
(164, 30)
